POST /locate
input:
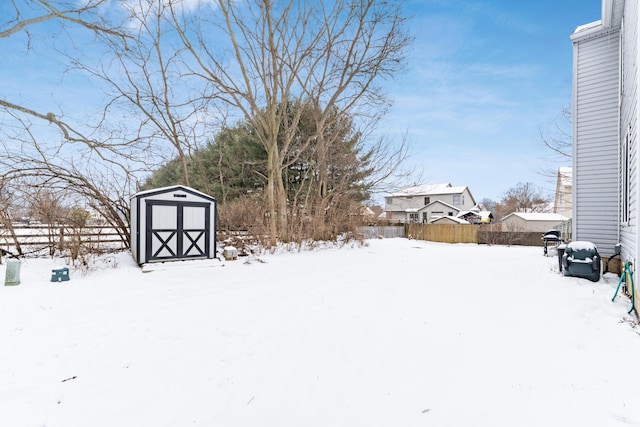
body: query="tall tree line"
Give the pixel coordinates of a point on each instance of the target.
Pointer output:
(174, 72)
(323, 190)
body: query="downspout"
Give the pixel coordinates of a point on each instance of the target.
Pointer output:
(619, 130)
(574, 140)
(637, 83)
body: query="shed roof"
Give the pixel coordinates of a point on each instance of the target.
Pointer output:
(172, 188)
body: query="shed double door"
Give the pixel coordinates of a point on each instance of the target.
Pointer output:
(177, 230)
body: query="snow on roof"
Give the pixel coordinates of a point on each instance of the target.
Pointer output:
(170, 188)
(429, 190)
(441, 203)
(368, 211)
(481, 214)
(538, 216)
(486, 214)
(585, 27)
(452, 218)
(565, 170)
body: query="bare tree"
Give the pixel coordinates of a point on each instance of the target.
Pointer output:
(173, 64)
(262, 54)
(524, 197)
(558, 144)
(149, 80)
(28, 14)
(6, 219)
(51, 178)
(47, 156)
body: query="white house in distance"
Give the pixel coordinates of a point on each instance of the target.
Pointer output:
(605, 130)
(426, 203)
(562, 204)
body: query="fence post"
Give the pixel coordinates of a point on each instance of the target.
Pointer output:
(61, 241)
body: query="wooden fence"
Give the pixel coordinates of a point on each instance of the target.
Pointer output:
(385, 231)
(23, 240)
(37, 239)
(469, 233)
(446, 233)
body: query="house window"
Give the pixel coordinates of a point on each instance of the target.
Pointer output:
(389, 200)
(427, 200)
(425, 217)
(450, 213)
(413, 217)
(456, 200)
(625, 174)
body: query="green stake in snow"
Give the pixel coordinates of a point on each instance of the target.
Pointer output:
(627, 278)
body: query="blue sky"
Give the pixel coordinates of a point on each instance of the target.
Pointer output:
(483, 78)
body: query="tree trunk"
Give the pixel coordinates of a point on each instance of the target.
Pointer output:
(272, 172)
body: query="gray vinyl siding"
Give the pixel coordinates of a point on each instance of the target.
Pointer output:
(595, 148)
(629, 125)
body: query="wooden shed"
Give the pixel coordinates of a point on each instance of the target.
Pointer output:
(532, 221)
(172, 223)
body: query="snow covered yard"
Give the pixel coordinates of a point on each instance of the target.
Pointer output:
(397, 333)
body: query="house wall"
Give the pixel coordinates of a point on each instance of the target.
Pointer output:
(628, 128)
(595, 137)
(436, 210)
(393, 216)
(562, 202)
(402, 203)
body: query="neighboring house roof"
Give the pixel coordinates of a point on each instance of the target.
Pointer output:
(368, 211)
(483, 215)
(589, 26)
(427, 190)
(537, 216)
(440, 202)
(486, 214)
(435, 202)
